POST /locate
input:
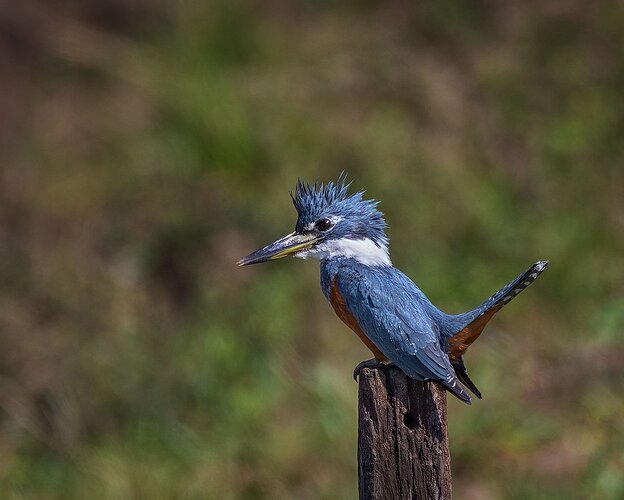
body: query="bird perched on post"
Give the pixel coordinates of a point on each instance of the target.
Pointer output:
(389, 313)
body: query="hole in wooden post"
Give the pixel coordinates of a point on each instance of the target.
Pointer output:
(410, 421)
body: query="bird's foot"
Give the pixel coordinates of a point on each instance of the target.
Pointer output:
(369, 363)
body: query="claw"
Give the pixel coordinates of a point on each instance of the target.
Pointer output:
(369, 363)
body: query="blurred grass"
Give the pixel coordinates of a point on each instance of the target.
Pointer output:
(150, 145)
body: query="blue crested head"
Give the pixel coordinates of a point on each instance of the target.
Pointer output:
(331, 223)
(329, 210)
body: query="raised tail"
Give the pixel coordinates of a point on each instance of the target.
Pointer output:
(467, 327)
(470, 325)
(508, 292)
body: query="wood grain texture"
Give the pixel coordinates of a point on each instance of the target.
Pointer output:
(402, 437)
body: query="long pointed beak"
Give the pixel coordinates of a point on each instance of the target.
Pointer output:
(283, 247)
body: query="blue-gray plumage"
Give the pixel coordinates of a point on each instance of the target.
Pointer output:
(389, 313)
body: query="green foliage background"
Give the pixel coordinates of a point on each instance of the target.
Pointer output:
(148, 145)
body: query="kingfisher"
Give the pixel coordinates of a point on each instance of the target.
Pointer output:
(384, 307)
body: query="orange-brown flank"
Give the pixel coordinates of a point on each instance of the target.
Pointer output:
(340, 306)
(459, 342)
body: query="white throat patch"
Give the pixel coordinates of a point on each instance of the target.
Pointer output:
(365, 251)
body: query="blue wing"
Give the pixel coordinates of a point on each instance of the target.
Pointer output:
(393, 316)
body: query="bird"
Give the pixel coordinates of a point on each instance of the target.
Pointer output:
(384, 307)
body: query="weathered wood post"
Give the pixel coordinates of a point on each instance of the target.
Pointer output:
(402, 437)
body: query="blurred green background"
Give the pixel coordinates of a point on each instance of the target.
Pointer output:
(148, 145)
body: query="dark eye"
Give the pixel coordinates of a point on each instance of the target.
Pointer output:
(323, 224)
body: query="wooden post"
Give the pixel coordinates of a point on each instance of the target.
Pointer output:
(402, 437)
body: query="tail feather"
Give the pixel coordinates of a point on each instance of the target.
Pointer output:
(508, 292)
(475, 320)
(462, 375)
